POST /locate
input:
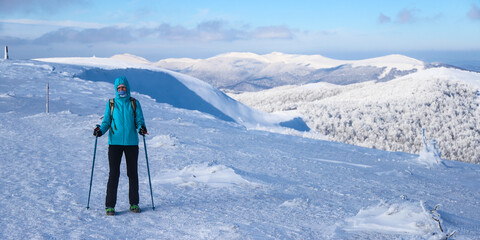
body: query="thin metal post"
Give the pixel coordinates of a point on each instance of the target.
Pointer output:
(48, 97)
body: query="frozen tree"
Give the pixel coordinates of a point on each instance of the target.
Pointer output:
(430, 154)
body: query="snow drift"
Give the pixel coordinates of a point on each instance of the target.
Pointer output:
(178, 90)
(400, 218)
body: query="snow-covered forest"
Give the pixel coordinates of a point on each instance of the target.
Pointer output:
(389, 115)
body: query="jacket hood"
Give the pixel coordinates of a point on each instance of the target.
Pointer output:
(124, 81)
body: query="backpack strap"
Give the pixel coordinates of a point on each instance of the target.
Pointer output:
(134, 108)
(111, 103)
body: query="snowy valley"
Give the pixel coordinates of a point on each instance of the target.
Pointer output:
(222, 170)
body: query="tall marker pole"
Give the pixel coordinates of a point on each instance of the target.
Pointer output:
(48, 97)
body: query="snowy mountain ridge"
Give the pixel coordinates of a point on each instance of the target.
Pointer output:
(212, 179)
(243, 71)
(398, 61)
(249, 71)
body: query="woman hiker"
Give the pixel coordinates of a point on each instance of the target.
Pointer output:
(123, 117)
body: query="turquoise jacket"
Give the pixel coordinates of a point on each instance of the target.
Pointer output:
(121, 123)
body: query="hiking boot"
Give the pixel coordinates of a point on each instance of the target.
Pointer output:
(134, 208)
(110, 211)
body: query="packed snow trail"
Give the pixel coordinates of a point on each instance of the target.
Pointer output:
(211, 179)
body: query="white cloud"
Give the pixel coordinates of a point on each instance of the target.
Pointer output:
(217, 31)
(208, 31)
(106, 34)
(66, 23)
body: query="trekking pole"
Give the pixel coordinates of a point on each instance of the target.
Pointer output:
(93, 165)
(148, 170)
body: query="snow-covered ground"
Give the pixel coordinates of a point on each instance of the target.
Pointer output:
(212, 179)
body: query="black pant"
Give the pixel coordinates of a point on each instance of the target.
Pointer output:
(115, 153)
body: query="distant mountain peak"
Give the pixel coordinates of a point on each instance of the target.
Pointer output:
(244, 55)
(131, 58)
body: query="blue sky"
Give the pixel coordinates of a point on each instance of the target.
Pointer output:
(198, 29)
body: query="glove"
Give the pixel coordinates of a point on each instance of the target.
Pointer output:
(97, 132)
(142, 131)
